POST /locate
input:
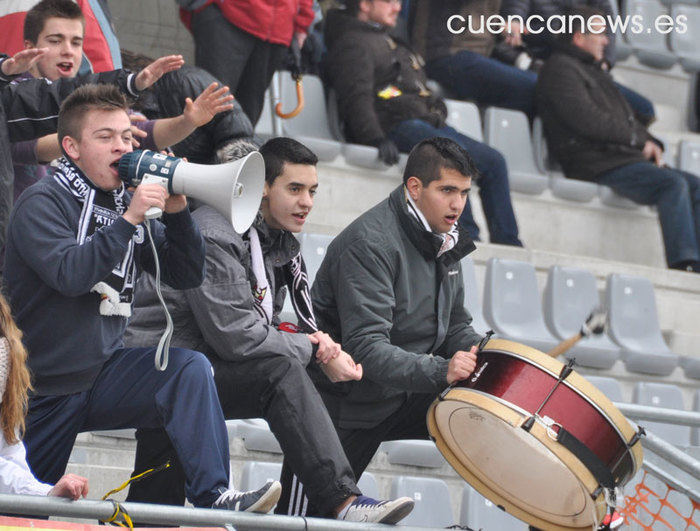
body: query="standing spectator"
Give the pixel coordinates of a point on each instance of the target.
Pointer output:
(594, 134)
(384, 102)
(243, 42)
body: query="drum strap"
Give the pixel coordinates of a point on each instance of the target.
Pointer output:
(590, 460)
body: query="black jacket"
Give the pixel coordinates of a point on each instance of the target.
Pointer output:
(589, 126)
(363, 60)
(167, 99)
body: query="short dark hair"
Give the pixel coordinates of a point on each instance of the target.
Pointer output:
(277, 151)
(582, 14)
(352, 6)
(428, 157)
(38, 15)
(83, 100)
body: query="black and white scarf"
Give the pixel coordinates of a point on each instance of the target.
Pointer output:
(100, 209)
(449, 239)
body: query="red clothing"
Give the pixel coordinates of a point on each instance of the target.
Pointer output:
(273, 21)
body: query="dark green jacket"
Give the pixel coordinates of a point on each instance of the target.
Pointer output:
(395, 308)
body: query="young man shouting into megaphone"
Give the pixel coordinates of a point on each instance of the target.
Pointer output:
(260, 370)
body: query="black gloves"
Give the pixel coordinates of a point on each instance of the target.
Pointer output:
(388, 152)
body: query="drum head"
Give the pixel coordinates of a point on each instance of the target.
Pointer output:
(515, 469)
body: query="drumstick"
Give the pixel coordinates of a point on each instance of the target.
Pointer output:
(595, 324)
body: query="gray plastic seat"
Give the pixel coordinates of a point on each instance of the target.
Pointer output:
(509, 132)
(313, 249)
(414, 453)
(256, 474)
(479, 513)
(569, 297)
(666, 396)
(622, 48)
(689, 156)
(368, 485)
(634, 325)
(472, 300)
(610, 387)
(257, 436)
(610, 198)
(695, 434)
(691, 366)
(512, 304)
(464, 116)
(685, 45)
(649, 47)
(310, 126)
(432, 497)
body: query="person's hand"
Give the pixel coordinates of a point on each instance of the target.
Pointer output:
(70, 486)
(461, 365)
(22, 61)
(327, 348)
(342, 368)
(515, 36)
(653, 152)
(145, 196)
(135, 131)
(156, 70)
(388, 152)
(300, 37)
(207, 105)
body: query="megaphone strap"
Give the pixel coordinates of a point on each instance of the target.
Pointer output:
(163, 349)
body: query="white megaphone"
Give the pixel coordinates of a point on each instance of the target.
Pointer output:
(234, 189)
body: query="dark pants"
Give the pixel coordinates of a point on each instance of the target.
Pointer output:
(279, 390)
(676, 195)
(493, 181)
(130, 393)
(240, 60)
(360, 444)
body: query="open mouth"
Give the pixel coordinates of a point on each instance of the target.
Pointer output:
(65, 68)
(301, 216)
(115, 166)
(451, 218)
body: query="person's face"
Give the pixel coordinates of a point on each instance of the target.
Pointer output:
(384, 12)
(105, 137)
(443, 200)
(593, 43)
(289, 200)
(64, 39)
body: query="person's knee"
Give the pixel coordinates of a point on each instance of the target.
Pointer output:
(191, 361)
(491, 165)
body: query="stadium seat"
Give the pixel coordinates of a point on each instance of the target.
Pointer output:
(313, 249)
(310, 126)
(649, 46)
(610, 198)
(561, 186)
(464, 116)
(257, 473)
(432, 497)
(634, 325)
(691, 366)
(509, 132)
(126, 433)
(666, 396)
(257, 436)
(368, 485)
(689, 156)
(622, 48)
(610, 387)
(512, 304)
(685, 45)
(472, 299)
(569, 297)
(479, 513)
(414, 453)
(695, 434)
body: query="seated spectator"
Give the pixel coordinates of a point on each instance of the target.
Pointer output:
(15, 476)
(75, 246)
(540, 42)
(594, 134)
(259, 369)
(384, 102)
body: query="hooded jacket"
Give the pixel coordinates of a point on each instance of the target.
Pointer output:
(395, 307)
(378, 80)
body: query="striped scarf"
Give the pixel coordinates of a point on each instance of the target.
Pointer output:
(449, 239)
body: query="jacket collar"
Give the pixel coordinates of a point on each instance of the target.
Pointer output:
(427, 243)
(572, 50)
(278, 244)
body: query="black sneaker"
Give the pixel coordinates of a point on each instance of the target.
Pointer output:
(366, 509)
(252, 501)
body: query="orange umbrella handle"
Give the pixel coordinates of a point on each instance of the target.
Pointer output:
(299, 107)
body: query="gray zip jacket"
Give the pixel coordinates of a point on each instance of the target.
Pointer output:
(395, 307)
(218, 318)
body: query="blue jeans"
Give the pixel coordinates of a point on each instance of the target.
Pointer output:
(472, 76)
(130, 393)
(493, 179)
(676, 195)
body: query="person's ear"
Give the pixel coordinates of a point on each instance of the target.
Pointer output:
(414, 186)
(29, 44)
(266, 191)
(70, 147)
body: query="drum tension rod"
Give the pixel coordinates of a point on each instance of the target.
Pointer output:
(563, 374)
(479, 348)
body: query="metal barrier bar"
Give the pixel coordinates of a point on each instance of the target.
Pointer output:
(168, 515)
(671, 454)
(659, 414)
(671, 481)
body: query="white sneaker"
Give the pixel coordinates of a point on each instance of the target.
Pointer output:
(365, 509)
(252, 501)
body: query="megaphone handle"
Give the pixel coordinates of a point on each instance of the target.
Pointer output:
(153, 213)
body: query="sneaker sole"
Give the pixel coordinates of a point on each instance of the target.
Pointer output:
(268, 500)
(398, 513)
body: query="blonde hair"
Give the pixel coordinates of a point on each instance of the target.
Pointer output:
(13, 406)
